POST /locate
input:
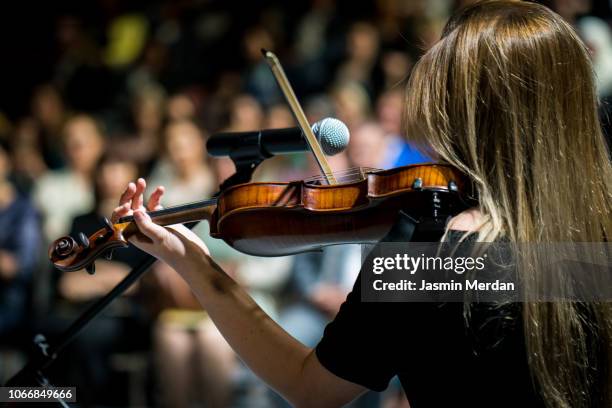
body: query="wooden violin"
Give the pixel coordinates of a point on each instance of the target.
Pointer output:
(275, 219)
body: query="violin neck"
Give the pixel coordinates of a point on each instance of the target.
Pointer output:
(180, 214)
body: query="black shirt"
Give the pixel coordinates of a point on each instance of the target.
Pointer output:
(440, 358)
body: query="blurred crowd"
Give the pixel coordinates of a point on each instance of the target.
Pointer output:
(110, 91)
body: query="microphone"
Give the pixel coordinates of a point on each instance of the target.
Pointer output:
(332, 134)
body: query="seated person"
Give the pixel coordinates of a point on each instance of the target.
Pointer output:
(62, 194)
(123, 326)
(20, 244)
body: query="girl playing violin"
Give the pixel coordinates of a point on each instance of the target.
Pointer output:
(508, 97)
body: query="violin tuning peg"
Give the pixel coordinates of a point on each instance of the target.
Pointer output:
(109, 255)
(91, 268)
(82, 240)
(107, 224)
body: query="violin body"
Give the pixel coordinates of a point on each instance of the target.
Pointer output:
(275, 219)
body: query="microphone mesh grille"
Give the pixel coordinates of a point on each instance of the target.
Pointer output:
(332, 134)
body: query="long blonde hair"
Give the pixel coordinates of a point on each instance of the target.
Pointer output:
(508, 96)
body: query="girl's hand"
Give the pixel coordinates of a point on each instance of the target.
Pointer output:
(174, 244)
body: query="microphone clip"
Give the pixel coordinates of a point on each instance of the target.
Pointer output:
(246, 157)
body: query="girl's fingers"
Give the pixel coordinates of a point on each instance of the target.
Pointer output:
(120, 211)
(149, 229)
(128, 194)
(138, 200)
(154, 200)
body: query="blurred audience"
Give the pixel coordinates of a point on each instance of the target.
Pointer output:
(119, 90)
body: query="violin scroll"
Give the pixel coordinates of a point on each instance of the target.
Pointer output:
(69, 254)
(63, 247)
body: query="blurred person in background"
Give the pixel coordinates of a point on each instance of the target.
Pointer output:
(258, 80)
(216, 107)
(312, 48)
(318, 107)
(279, 116)
(367, 147)
(246, 113)
(597, 35)
(142, 142)
(123, 326)
(192, 361)
(361, 64)
(182, 106)
(49, 115)
(352, 103)
(184, 166)
(389, 110)
(29, 164)
(62, 194)
(37, 142)
(111, 175)
(20, 244)
(282, 167)
(570, 10)
(395, 64)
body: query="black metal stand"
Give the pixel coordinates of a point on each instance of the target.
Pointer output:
(246, 161)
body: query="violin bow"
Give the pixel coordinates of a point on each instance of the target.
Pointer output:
(300, 116)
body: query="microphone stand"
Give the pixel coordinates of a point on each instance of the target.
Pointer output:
(246, 158)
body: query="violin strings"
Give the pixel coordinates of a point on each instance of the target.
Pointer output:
(339, 173)
(173, 209)
(353, 170)
(348, 172)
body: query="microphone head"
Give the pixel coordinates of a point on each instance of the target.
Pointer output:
(333, 135)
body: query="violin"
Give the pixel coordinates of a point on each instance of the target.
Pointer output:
(276, 219)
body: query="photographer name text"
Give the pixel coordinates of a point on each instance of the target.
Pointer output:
(412, 264)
